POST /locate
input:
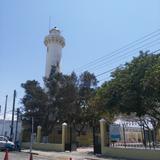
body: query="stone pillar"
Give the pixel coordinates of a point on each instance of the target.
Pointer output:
(103, 134)
(64, 132)
(39, 134)
(158, 135)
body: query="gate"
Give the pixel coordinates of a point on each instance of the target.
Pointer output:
(70, 144)
(96, 139)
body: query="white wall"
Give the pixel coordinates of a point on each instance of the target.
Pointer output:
(7, 128)
(53, 57)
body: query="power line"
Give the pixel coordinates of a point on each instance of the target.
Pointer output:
(108, 71)
(104, 79)
(144, 45)
(124, 55)
(124, 47)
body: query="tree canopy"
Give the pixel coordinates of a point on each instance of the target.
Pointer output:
(65, 98)
(134, 88)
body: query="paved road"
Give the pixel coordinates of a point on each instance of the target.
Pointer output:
(40, 155)
(21, 156)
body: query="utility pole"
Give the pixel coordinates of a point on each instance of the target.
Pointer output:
(18, 112)
(13, 109)
(4, 117)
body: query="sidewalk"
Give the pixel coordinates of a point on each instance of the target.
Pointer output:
(81, 154)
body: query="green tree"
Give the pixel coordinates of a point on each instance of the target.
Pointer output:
(34, 104)
(53, 84)
(151, 89)
(135, 88)
(65, 98)
(87, 89)
(125, 91)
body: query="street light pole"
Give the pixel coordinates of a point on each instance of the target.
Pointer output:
(31, 143)
(17, 124)
(5, 109)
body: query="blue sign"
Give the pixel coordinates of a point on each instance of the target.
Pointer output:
(114, 132)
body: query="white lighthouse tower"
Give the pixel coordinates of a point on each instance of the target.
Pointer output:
(54, 43)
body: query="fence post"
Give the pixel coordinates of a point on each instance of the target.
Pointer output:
(39, 134)
(64, 131)
(103, 134)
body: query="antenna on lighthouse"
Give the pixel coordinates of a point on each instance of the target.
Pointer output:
(49, 25)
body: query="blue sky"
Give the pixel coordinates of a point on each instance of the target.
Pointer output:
(92, 28)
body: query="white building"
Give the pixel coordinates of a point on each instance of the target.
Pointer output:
(7, 129)
(54, 43)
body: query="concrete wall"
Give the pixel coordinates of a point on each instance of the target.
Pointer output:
(44, 146)
(135, 154)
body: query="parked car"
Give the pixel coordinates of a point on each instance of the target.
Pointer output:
(6, 144)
